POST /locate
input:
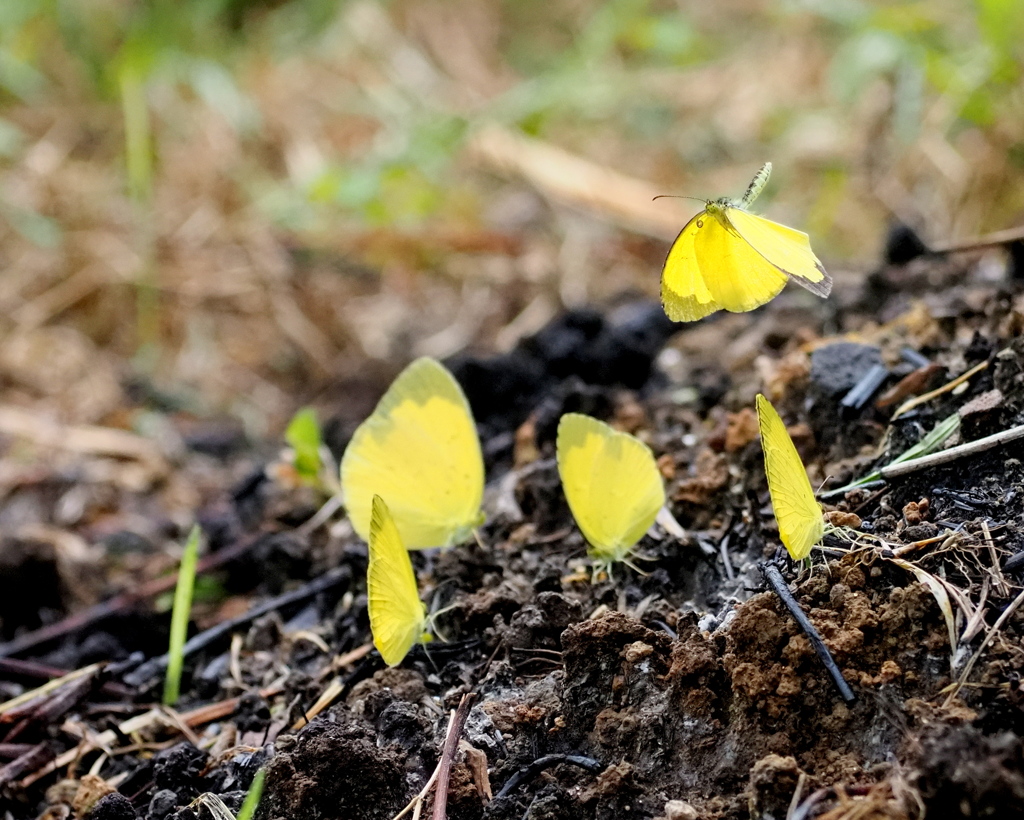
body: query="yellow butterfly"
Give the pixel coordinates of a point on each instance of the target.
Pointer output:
(419, 449)
(801, 524)
(612, 484)
(398, 618)
(728, 258)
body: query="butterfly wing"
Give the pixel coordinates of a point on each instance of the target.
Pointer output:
(611, 482)
(737, 276)
(799, 515)
(684, 295)
(397, 616)
(420, 450)
(787, 249)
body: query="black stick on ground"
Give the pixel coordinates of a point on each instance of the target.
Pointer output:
(119, 603)
(774, 579)
(150, 672)
(540, 764)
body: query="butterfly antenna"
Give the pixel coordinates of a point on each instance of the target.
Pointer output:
(756, 185)
(479, 540)
(678, 196)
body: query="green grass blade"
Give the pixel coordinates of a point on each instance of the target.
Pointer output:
(931, 442)
(927, 445)
(252, 797)
(180, 616)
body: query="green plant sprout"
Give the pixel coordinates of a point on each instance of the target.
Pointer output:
(180, 616)
(309, 457)
(252, 797)
(303, 436)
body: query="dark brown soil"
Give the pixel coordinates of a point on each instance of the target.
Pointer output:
(692, 689)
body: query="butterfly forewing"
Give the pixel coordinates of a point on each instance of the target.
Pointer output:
(397, 616)
(799, 515)
(420, 450)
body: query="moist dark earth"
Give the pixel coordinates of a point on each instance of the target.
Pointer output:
(688, 691)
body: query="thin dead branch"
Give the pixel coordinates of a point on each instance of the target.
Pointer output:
(998, 625)
(953, 453)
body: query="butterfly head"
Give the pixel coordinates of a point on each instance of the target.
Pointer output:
(719, 209)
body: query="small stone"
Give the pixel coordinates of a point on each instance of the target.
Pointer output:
(162, 804)
(637, 651)
(836, 368)
(680, 810)
(890, 672)
(920, 532)
(915, 511)
(838, 518)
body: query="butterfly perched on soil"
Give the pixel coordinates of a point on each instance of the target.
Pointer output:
(612, 484)
(398, 618)
(801, 523)
(419, 449)
(727, 258)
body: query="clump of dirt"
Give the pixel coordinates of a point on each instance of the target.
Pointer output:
(962, 772)
(335, 770)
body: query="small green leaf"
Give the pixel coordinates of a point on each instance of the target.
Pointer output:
(303, 435)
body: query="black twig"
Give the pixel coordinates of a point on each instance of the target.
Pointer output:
(119, 603)
(33, 760)
(774, 579)
(152, 670)
(864, 389)
(541, 763)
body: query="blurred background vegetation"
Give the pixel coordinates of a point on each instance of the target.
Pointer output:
(234, 203)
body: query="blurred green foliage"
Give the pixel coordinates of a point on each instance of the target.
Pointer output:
(973, 62)
(574, 66)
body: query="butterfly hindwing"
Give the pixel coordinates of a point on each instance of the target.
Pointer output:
(420, 450)
(397, 616)
(611, 482)
(801, 525)
(787, 249)
(684, 295)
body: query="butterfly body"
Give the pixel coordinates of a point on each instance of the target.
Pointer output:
(727, 258)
